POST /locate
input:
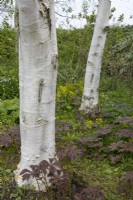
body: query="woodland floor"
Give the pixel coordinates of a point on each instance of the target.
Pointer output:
(95, 151)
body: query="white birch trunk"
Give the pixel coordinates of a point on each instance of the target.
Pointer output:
(90, 96)
(37, 75)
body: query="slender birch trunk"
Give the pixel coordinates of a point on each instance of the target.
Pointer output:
(92, 77)
(37, 75)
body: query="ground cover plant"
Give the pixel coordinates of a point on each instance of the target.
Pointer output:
(94, 151)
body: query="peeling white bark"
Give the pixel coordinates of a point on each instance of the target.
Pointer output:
(37, 75)
(92, 77)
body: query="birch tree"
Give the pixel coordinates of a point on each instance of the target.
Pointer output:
(35, 20)
(92, 77)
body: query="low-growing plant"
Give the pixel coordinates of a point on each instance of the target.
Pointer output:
(126, 185)
(9, 111)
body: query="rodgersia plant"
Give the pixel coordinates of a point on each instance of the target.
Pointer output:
(51, 175)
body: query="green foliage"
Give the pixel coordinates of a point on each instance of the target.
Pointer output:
(104, 140)
(73, 49)
(9, 111)
(8, 63)
(8, 55)
(91, 18)
(9, 105)
(117, 60)
(68, 96)
(126, 43)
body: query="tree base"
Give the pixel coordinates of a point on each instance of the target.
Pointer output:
(89, 109)
(31, 183)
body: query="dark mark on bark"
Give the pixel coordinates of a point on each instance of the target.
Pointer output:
(88, 98)
(54, 61)
(41, 83)
(45, 11)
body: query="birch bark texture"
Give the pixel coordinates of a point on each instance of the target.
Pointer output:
(90, 97)
(37, 77)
